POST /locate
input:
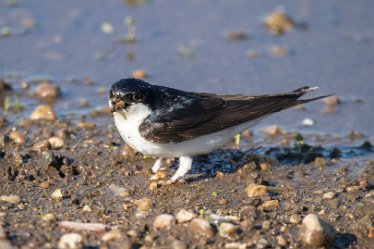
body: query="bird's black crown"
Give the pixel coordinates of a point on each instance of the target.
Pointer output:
(130, 90)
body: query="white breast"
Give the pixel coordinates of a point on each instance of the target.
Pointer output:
(128, 123)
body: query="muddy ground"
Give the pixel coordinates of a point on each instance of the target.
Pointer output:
(65, 162)
(76, 168)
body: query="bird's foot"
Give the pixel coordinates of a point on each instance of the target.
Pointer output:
(157, 165)
(185, 164)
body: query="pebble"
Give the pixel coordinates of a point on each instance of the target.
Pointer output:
(255, 190)
(320, 162)
(177, 244)
(86, 208)
(82, 226)
(2, 233)
(307, 122)
(17, 137)
(332, 101)
(184, 216)
(70, 241)
(295, 218)
(278, 23)
(153, 186)
(140, 74)
(315, 232)
(144, 204)
(43, 112)
(158, 176)
(13, 199)
(42, 146)
(265, 166)
(49, 217)
(281, 240)
(5, 244)
(227, 230)
(47, 90)
(218, 219)
(44, 185)
(117, 190)
(277, 50)
(114, 234)
(56, 142)
(248, 212)
(236, 36)
(270, 205)
(272, 130)
(201, 227)
(57, 194)
(163, 221)
(329, 195)
(352, 189)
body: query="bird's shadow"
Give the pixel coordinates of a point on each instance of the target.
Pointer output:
(230, 160)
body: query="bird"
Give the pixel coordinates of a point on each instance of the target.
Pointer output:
(164, 122)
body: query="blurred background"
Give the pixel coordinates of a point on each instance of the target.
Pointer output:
(247, 47)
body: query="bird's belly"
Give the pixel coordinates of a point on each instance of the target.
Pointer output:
(129, 131)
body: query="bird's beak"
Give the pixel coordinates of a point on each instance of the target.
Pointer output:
(116, 104)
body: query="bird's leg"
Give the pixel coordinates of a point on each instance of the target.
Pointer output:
(156, 167)
(185, 164)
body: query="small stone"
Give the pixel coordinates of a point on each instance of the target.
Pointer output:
(371, 232)
(118, 191)
(42, 146)
(12, 199)
(163, 221)
(273, 130)
(265, 166)
(144, 204)
(141, 214)
(140, 74)
(227, 230)
(218, 219)
(320, 162)
(158, 176)
(56, 142)
(236, 36)
(248, 212)
(177, 244)
(44, 185)
(184, 216)
(307, 122)
(261, 243)
(295, 218)
(315, 232)
(47, 90)
(278, 51)
(329, 195)
(70, 241)
(352, 189)
(43, 112)
(5, 244)
(17, 137)
(332, 101)
(153, 186)
(278, 23)
(270, 205)
(201, 227)
(57, 194)
(49, 217)
(114, 234)
(255, 190)
(82, 226)
(86, 208)
(281, 240)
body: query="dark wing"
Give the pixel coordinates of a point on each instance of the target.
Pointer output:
(200, 114)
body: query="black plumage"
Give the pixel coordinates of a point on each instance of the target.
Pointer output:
(180, 116)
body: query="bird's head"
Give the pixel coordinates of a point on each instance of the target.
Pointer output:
(128, 92)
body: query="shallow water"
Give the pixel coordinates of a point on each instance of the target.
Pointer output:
(334, 53)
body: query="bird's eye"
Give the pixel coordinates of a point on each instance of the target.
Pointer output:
(137, 96)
